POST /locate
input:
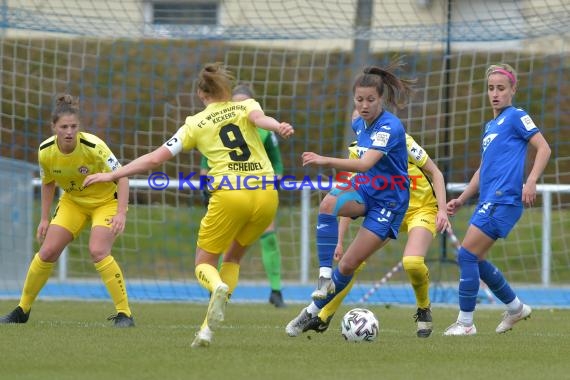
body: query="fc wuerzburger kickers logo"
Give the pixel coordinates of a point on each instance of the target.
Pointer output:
(83, 170)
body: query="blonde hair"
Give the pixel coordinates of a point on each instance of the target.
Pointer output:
(216, 81)
(505, 69)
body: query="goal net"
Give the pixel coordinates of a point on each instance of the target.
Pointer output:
(133, 63)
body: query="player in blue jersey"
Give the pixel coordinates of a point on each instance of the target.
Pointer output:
(379, 191)
(499, 181)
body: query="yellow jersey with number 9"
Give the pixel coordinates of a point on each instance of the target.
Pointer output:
(229, 140)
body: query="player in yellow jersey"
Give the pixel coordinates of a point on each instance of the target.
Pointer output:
(65, 160)
(426, 215)
(244, 200)
(270, 250)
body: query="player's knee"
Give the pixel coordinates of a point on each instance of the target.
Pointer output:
(98, 253)
(414, 265)
(348, 266)
(464, 256)
(49, 254)
(327, 204)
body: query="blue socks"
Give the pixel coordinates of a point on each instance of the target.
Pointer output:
(468, 280)
(471, 270)
(340, 282)
(496, 281)
(327, 238)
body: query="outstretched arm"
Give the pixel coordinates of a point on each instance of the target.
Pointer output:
(139, 165)
(368, 160)
(261, 120)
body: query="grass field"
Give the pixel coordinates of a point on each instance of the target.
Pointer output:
(72, 340)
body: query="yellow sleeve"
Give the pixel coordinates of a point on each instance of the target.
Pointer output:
(43, 160)
(45, 174)
(416, 154)
(353, 151)
(187, 133)
(109, 163)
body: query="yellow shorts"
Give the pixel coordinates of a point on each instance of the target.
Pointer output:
(421, 217)
(241, 215)
(73, 217)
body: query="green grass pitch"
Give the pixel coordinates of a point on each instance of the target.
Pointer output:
(73, 340)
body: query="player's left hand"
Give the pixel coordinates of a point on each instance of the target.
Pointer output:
(311, 158)
(442, 223)
(285, 130)
(42, 230)
(453, 205)
(338, 252)
(118, 223)
(98, 177)
(529, 193)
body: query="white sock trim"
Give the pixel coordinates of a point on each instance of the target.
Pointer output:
(515, 306)
(325, 272)
(465, 318)
(313, 309)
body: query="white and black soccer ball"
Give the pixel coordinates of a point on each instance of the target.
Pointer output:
(359, 325)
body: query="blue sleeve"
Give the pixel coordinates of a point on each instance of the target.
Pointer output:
(524, 125)
(386, 137)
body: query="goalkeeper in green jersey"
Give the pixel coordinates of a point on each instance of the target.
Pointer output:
(271, 254)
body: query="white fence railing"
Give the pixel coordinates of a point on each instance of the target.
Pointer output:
(545, 190)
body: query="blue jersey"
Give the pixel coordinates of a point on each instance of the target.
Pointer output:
(503, 153)
(387, 182)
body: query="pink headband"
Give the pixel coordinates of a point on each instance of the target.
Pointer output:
(511, 77)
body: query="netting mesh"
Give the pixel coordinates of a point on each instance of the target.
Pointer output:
(133, 65)
(429, 20)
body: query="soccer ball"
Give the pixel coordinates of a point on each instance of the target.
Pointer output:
(359, 325)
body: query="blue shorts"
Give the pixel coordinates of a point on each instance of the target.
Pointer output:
(496, 220)
(383, 222)
(377, 219)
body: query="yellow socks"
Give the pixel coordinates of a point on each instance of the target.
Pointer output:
(38, 274)
(418, 275)
(209, 277)
(229, 273)
(112, 277)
